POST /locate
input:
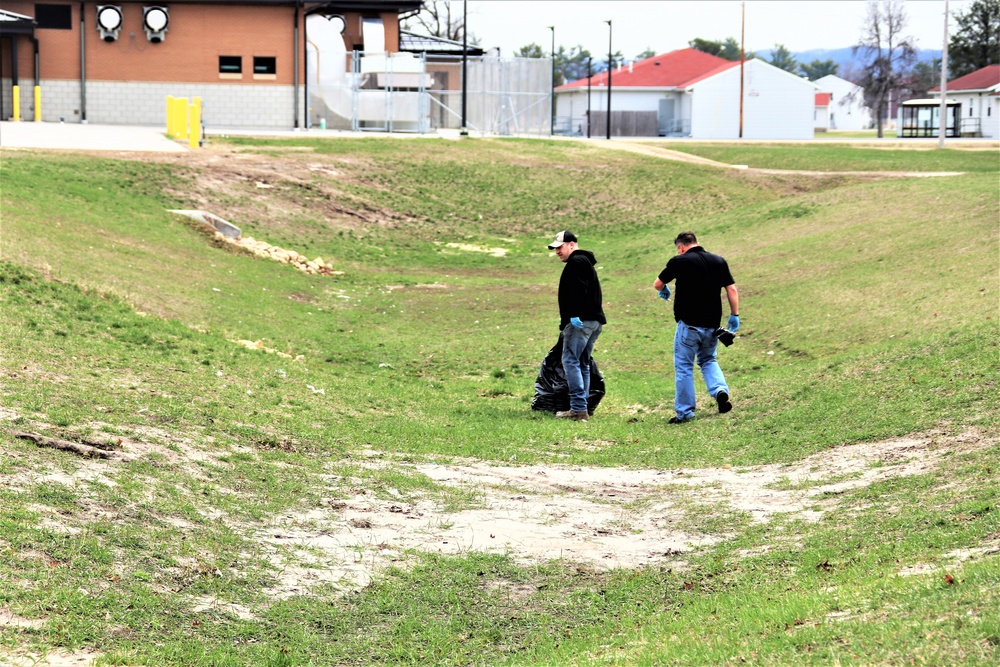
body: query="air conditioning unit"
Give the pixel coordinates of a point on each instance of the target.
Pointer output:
(109, 21)
(155, 20)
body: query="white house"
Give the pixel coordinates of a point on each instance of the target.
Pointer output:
(776, 104)
(979, 94)
(696, 94)
(847, 110)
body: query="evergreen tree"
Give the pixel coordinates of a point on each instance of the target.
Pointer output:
(976, 42)
(817, 69)
(728, 49)
(782, 58)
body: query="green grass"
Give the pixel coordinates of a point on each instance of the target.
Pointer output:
(869, 312)
(821, 156)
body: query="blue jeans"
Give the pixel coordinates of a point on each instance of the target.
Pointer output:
(578, 345)
(691, 342)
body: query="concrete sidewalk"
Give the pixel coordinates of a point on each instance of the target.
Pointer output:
(79, 136)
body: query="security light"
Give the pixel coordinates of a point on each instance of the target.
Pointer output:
(337, 22)
(154, 21)
(109, 21)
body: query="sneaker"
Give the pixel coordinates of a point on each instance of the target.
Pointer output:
(675, 420)
(572, 414)
(722, 398)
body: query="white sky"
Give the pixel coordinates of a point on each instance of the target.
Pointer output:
(665, 25)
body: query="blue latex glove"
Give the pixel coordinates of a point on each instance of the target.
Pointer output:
(575, 321)
(664, 293)
(734, 323)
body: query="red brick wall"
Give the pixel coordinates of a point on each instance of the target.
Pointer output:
(196, 36)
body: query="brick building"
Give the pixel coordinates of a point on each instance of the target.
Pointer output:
(117, 63)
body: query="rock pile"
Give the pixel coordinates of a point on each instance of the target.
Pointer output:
(267, 251)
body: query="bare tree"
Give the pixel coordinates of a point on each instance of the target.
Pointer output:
(886, 55)
(441, 18)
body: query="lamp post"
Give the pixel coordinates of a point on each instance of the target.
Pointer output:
(465, 51)
(590, 76)
(552, 92)
(611, 66)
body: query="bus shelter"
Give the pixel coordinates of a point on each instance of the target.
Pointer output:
(922, 118)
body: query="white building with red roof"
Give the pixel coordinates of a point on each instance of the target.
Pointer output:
(846, 108)
(979, 93)
(695, 94)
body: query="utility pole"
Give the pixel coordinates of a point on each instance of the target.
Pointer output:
(743, 23)
(944, 82)
(611, 66)
(552, 92)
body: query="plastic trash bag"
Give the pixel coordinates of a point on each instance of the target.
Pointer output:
(551, 391)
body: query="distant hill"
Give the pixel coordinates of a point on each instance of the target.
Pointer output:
(843, 57)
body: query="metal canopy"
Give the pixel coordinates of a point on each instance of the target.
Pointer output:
(15, 24)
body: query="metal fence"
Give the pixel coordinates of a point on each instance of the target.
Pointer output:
(504, 96)
(402, 92)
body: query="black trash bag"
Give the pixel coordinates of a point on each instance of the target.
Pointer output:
(551, 392)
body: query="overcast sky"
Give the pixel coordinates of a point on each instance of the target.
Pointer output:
(665, 25)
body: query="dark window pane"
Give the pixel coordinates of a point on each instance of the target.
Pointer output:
(54, 17)
(264, 65)
(230, 64)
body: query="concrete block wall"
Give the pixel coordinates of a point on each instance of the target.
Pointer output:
(133, 103)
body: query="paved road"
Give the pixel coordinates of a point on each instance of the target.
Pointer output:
(77, 136)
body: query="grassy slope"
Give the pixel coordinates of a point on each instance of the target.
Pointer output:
(875, 317)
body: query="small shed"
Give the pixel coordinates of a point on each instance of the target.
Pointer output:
(822, 113)
(922, 118)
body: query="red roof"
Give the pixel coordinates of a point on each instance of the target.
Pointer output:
(981, 79)
(823, 99)
(676, 69)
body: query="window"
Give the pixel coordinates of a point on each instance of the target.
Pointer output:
(231, 65)
(264, 65)
(54, 17)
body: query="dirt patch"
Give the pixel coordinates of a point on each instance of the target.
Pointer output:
(81, 658)
(601, 517)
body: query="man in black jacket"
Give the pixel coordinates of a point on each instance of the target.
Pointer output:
(700, 277)
(581, 317)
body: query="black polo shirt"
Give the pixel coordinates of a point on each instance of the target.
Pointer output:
(700, 275)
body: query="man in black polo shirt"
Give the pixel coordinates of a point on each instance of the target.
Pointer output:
(698, 311)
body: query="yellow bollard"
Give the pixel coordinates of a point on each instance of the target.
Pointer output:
(181, 115)
(170, 116)
(17, 103)
(38, 104)
(195, 119)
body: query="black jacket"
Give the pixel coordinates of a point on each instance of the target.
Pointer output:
(580, 290)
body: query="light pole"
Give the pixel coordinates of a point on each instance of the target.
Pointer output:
(611, 66)
(590, 76)
(552, 92)
(465, 51)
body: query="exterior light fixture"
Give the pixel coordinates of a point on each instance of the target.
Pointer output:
(109, 22)
(338, 22)
(154, 21)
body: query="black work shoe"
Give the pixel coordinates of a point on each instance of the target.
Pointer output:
(722, 398)
(675, 420)
(573, 414)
